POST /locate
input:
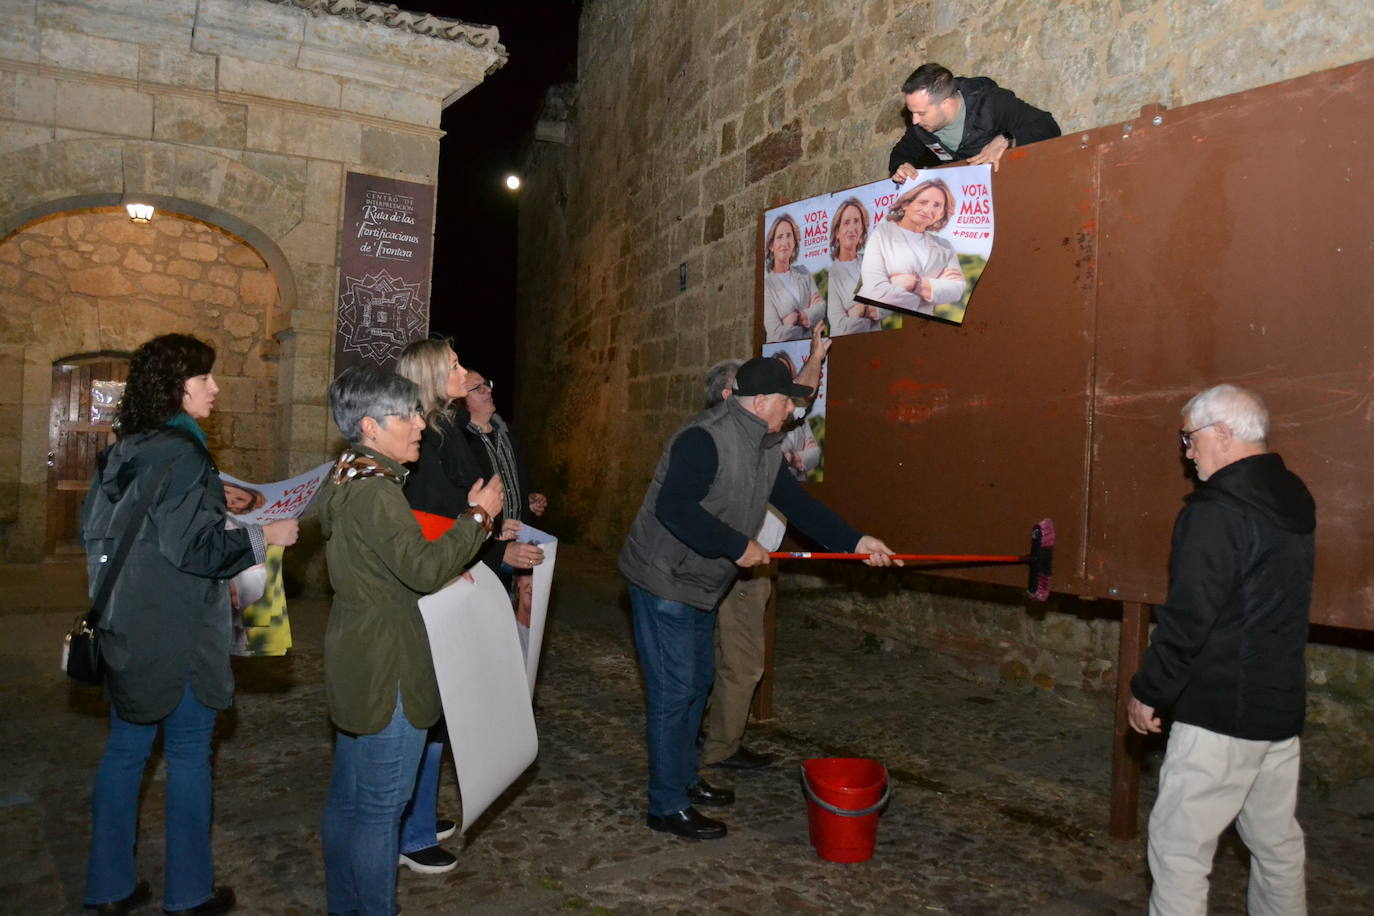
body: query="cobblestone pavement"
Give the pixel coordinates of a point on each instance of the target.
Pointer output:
(998, 806)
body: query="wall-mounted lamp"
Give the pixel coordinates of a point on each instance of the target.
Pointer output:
(140, 213)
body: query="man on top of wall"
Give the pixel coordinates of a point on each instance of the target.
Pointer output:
(1226, 659)
(693, 534)
(956, 118)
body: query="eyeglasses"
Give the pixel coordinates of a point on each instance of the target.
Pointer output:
(411, 414)
(1187, 434)
(488, 384)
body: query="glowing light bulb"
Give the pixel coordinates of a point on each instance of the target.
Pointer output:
(140, 213)
(513, 182)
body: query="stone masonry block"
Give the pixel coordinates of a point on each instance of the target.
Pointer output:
(397, 152)
(272, 33)
(296, 133)
(323, 191)
(176, 68)
(25, 97)
(201, 121)
(167, 23)
(774, 152)
(313, 243)
(104, 109)
(199, 174)
(150, 168)
(392, 104)
(272, 81)
(19, 136)
(19, 39)
(287, 171)
(391, 57)
(89, 54)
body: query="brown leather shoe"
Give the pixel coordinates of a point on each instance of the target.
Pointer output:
(221, 901)
(142, 893)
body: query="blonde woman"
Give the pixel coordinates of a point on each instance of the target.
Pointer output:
(436, 490)
(906, 264)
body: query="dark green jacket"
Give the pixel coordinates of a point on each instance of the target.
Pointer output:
(380, 564)
(167, 622)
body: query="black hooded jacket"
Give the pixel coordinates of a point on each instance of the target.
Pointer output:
(992, 110)
(1228, 652)
(168, 618)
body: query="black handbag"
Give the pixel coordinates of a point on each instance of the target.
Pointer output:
(81, 645)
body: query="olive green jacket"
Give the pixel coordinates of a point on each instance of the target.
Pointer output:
(380, 564)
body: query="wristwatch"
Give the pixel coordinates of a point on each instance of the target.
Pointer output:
(480, 517)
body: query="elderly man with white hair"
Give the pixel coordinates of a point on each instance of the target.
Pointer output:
(1227, 661)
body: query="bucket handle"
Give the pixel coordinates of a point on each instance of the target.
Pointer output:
(848, 812)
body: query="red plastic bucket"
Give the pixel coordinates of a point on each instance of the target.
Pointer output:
(844, 796)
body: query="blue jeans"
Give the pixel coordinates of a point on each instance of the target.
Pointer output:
(114, 807)
(418, 829)
(374, 776)
(677, 656)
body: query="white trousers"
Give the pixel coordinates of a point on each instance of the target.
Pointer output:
(1207, 781)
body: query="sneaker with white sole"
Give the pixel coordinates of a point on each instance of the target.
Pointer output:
(433, 860)
(444, 828)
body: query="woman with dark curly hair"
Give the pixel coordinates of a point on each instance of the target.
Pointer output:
(165, 631)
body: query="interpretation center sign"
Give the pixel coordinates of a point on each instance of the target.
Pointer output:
(384, 265)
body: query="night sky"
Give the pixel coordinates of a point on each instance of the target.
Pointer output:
(489, 133)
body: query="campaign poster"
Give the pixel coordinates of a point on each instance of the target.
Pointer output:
(796, 261)
(386, 246)
(803, 445)
(928, 241)
(256, 595)
(812, 254)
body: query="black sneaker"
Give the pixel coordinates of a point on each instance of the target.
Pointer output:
(444, 828)
(434, 860)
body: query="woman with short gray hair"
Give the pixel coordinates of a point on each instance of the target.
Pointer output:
(379, 675)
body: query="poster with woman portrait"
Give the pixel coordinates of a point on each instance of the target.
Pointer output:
(804, 443)
(928, 241)
(796, 255)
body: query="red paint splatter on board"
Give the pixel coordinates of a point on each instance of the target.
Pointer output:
(916, 402)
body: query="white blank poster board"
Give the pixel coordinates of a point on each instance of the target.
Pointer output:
(483, 685)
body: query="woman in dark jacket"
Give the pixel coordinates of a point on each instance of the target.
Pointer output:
(448, 465)
(379, 674)
(164, 633)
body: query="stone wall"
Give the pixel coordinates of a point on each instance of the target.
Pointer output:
(243, 114)
(692, 117)
(92, 281)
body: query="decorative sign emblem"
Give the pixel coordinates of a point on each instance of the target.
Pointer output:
(379, 314)
(387, 238)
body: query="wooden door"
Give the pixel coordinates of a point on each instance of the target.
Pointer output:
(85, 394)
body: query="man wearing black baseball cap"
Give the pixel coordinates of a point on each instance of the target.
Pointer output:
(710, 490)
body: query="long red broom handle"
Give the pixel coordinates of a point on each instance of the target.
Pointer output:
(919, 557)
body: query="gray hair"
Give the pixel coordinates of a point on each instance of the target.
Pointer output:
(1242, 411)
(718, 378)
(366, 391)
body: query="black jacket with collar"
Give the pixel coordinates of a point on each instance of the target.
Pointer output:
(167, 622)
(1228, 652)
(992, 111)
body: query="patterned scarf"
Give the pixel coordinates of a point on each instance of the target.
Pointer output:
(502, 455)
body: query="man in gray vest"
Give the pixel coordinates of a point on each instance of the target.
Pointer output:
(685, 548)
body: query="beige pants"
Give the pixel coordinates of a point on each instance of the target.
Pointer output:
(1207, 781)
(739, 665)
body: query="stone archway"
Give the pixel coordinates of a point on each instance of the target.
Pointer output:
(106, 306)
